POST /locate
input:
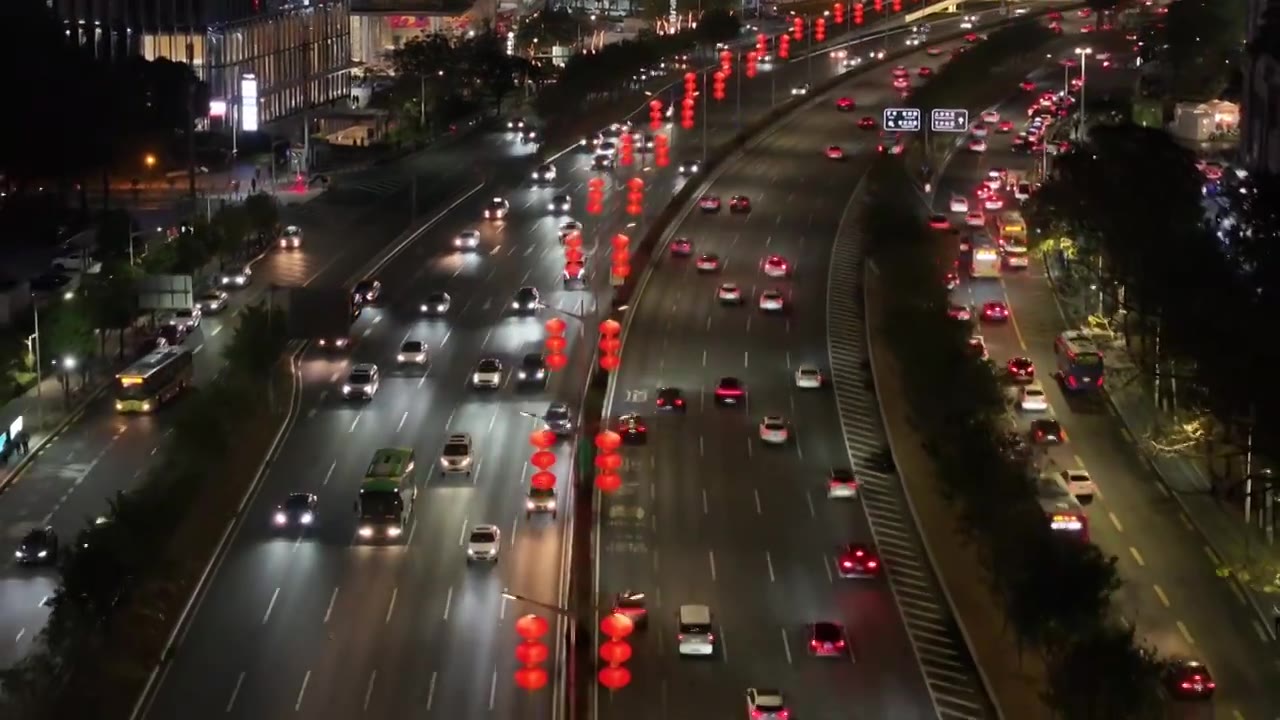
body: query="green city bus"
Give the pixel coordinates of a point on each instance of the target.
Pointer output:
(387, 495)
(153, 380)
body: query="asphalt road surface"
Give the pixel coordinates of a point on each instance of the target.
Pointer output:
(709, 514)
(1171, 592)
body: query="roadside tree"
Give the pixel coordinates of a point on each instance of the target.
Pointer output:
(262, 213)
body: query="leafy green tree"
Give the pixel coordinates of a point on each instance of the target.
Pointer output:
(426, 68)
(230, 227)
(255, 349)
(113, 236)
(66, 333)
(493, 72)
(1104, 674)
(112, 302)
(263, 213)
(1203, 43)
(553, 26)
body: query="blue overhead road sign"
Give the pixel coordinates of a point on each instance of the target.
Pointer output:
(949, 120)
(902, 119)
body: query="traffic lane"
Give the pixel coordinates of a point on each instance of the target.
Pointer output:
(1170, 598)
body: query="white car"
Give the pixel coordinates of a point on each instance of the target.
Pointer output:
(213, 301)
(559, 205)
(775, 266)
(968, 21)
(766, 704)
(809, 377)
(842, 484)
(483, 543)
(850, 63)
(959, 204)
(290, 238)
(1031, 398)
(1080, 484)
(497, 209)
(773, 430)
(975, 218)
(979, 130)
(992, 202)
(236, 277)
(456, 456)
(991, 116)
(771, 301)
(977, 145)
(362, 382)
(437, 304)
(1022, 192)
(799, 90)
(545, 173)
(914, 40)
(467, 240)
(412, 352)
(488, 374)
(569, 227)
(729, 293)
(187, 318)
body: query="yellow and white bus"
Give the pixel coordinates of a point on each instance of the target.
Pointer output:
(154, 380)
(985, 262)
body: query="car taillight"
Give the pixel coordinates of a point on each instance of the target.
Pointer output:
(679, 402)
(846, 564)
(840, 643)
(757, 714)
(858, 553)
(661, 402)
(711, 638)
(640, 428)
(680, 637)
(1071, 381)
(813, 643)
(782, 714)
(872, 564)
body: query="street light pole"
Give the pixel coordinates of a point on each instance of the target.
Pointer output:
(1083, 53)
(39, 370)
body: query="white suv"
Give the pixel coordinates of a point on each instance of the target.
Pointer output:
(456, 456)
(483, 543)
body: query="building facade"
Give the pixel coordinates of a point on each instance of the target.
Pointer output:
(299, 51)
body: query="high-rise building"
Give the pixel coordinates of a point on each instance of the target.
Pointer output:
(298, 52)
(1260, 114)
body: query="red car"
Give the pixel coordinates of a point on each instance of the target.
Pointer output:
(858, 560)
(1021, 369)
(901, 71)
(959, 312)
(844, 104)
(867, 122)
(1084, 12)
(834, 152)
(934, 51)
(925, 72)
(972, 38)
(739, 204)
(938, 221)
(1189, 680)
(1004, 126)
(1086, 28)
(1027, 86)
(995, 311)
(709, 203)
(682, 247)
(901, 83)
(1055, 15)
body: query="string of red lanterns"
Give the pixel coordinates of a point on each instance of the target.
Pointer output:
(655, 113)
(595, 196)
(610, 345)
(857, 13)
(751, 63)
(531, 653)
(615, 651)
(819, 30)
(661, 151)
(608, 480)
(556, 344)
(627, 149)
(690, 100)
(784, 47)
(837, 13)
(543, 459)
(635, 198)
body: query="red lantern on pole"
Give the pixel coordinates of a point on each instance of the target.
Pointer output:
(610, 461)
(595, 203)
(655, 113)
(897, 5)
(531, 627)
(608, 440)
(531, 678)
(626, 150)
(620, 241)
(610, 328)
(542, 480)
(543, 459)
(555, 326)
(573, 254)
(762, 45)
(615, 652)
(819, 30)
(784, 47)
(797, 29)
(609, 363)
(857, 14)
(717, 88)
(837, 13)
(542, 439)
(661, 150)
(610, 345)
(556, 344)
(531, 652)
(620, 256)
(877, 5)
(751, 63)
(617, 626)
(622, 270)
(573, 240)
(557, 361)
(608, 482)
(615, 678)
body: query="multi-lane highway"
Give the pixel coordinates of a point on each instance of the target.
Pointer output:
(1171, 592)
(709, 514)
(319, 624)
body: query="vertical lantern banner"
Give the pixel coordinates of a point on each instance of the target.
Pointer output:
(877, 5)
(655, 113)
(797, 29)
(857, 13)
(752, 58)
(837, 13)
(661, 151)
(620, 252)
(627, 149)
(726, 62)
(607, 442)
(819, 30)
(595, 196)
(717, 89)
(635, 196)
(897, 5)
(686, 112)
(555, 327)
(784, 47)
(531, 653)
(762, 45)
(615, 651)
(610, 346)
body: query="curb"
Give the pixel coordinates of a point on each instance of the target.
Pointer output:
(67, 421)
(1268, 618)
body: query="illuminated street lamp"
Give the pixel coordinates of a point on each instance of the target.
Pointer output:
(1083, 53)
(149, 160)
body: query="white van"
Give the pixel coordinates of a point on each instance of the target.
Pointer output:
(695, 636)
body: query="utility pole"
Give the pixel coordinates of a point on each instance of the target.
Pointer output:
(192, 81)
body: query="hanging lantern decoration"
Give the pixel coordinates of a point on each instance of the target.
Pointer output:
(534, 678)
(610, 363)
(819, 30)
(797, 29)
(610, 343)
(531, 652)
(661, 151)
(542, 439)
(532, 627)
(762, 45)
(573, 253)
(857, 13)
(573, 241)
(595, 202)
(897, 5)
(615, 652)
(690, 83)
(626, 151)
(686, 112)
(877, 5)
(615, 678)
(557, 361)
(542, 480)
(837, 13)
(784, 47)
(610, 328)
(609, 462)
(635, 196)
(543, 459)
(717, 88)
(608, 440)
(655, 113)
(617, 626)
(608, 482)
(751, 63)
(556, 343)
(555, 326)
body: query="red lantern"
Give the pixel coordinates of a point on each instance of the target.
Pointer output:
(621, 269)
(608, 482)
(610, 345)
(635, 209)
(555, 326)
(620, 240)
(897, 5)
(797, 29)
(532, 652)
(615, 652)
(610, 461)
(573, 254)
(543, 459)
(542, 480)
(686, 105)
(610, 328)
(857, 14)
(531, 627)
(610, 363)
(534, 678)
(573, 269)
(573, 240)
(819, 30)
(556, 344)
(878, 5)
(837, 13)
(615, 678)
(655, 113)
(608, 440)
(717, 90)
(557, 361)
(751, 64)
(621, 257)
(596, 183)
(784, 47)
(687, 122)
(616, 626)
(543, 439)
(762, 44)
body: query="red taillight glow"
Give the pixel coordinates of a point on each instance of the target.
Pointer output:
(813, 643)
(661, 402)
(872, 564)
(839, 643)
(679, 402)
(728, 391)
(846, 564)
(1071, 381)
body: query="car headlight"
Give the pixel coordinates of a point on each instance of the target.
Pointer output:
(393, 531)
(366, 531)
(18, 553)
(475, 377)
(441, 308)
(522, 375)
(119, 405)
(541, 373)
(346, 389)
(551, 505)
(515, 306)
(471, 552)
(422, 308)
(281, 518)
(306, 518)
(528, 505)
(399, 358)
(42, 553)
(146, 406)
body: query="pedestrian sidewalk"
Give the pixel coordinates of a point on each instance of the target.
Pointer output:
(1241, 550)
(46, 411)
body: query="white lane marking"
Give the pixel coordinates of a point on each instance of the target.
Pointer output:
(704, 358)
(701, 449)
(756, 494)
(705, 509)
(1164, 599)
(826, 565)
(808, 499)
(368, 693)
(329, 610)
(329, 474)
(391, 606)
(768, 560)
(216, 330)
(302, 691)
(448, 600)
(1137, 556)
(267, 615)
(355, 422)
(403, 417)
(746, 359)
(711, 555)
(197, 349)
(493, 684)
(786, 645)
(462, 536)
(431, 691)
(235, 691)
(1115, 521)
(1186, 635)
